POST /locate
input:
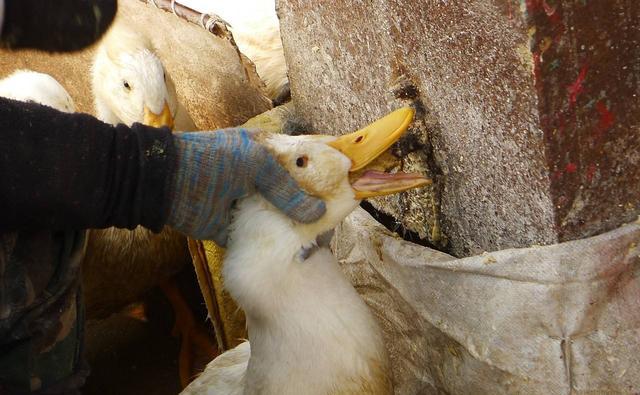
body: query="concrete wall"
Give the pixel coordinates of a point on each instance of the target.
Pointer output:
(528, 111)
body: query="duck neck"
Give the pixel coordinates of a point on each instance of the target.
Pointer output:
(308, 327)
(263, 253)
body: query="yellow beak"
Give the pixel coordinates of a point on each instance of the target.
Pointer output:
(369, 142)
(365, 145)
(158, 120)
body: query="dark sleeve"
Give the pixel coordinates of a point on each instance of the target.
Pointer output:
(71, 171)
(55, 25)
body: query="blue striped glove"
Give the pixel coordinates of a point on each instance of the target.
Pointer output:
(213, 169)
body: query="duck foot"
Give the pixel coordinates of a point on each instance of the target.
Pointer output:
(196, 348)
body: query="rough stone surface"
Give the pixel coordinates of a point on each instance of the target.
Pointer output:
(557, 319)
(214, 82)
(524, 149)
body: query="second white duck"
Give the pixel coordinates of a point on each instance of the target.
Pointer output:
(131, 84)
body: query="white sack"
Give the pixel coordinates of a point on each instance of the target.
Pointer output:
(538, 320)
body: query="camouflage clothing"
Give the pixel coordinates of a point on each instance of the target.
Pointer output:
(41, 313)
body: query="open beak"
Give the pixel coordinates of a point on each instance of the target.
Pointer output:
(158, 120)
(365, 145)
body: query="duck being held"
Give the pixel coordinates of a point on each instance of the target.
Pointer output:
(309, 330)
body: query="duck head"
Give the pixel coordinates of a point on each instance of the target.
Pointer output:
(130, 82)
(339, 169)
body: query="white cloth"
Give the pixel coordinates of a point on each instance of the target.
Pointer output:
(554, 319)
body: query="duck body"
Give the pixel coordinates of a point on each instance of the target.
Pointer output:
(260, 41)
(28, 85)
(309, 330)
(256, 31)
(328, 330)
(120, 265)
(318, 337)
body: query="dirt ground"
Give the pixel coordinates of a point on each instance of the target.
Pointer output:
(129, 356)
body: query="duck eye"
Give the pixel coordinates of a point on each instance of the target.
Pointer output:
(302, 161)
(126, 85)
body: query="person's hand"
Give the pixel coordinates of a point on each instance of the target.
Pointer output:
(213, 169)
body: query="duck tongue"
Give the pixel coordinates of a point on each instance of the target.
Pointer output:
(376, 183)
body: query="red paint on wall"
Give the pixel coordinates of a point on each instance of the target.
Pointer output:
(533, 5)
(577, 87)
(606, 117)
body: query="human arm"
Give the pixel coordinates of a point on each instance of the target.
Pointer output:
(71, 171)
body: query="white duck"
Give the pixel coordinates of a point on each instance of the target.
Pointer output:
(256, 31)
(130, 84)
(309, 330)
(28, 85)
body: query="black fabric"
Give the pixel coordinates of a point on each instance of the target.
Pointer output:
(55, 25)
(62, 171)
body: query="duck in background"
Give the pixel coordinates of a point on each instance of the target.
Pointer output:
(130, 84)
(32, 86)
(256, 31)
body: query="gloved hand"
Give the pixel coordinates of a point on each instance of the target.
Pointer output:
(213, 169)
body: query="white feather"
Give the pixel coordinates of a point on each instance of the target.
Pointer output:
(31, 86)
(256, 31)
